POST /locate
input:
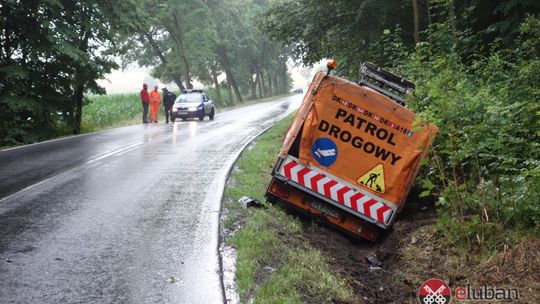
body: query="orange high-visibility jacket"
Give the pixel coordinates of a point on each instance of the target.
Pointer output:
(155, 97)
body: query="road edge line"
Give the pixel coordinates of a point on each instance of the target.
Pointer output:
(233, 161)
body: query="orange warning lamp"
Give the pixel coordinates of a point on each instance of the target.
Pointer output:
(331, 64)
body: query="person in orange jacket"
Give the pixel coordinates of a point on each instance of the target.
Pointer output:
(155, 99)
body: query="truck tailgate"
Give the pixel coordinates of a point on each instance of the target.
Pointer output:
(337, 192)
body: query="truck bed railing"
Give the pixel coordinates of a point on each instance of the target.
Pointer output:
(386, 83)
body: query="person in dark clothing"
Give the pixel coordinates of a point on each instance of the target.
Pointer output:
(145, 100)
(168, 101)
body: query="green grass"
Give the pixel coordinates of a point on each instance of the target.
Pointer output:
(274, 264)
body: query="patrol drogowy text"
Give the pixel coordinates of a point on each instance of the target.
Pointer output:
(357, 141)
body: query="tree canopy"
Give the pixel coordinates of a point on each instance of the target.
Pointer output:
(52, 52)
(196, 39)
(475, 64)
(351, 31)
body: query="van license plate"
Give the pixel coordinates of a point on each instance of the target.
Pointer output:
(324, 208)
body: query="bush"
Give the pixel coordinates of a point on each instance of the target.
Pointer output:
(485, 163)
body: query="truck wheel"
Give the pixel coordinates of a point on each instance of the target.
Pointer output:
(211, 116)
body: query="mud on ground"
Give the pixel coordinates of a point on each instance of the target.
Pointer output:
(411, 254)
(373, 282)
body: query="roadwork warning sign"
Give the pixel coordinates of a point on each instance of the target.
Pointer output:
(373, 179)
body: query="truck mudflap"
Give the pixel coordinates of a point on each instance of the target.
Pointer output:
(337, 192)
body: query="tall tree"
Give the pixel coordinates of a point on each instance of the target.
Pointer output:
(229, 27)
(52, 53)
(416, 17)
(347, 30)
(175, 36)
(340, 29)
(206, 40)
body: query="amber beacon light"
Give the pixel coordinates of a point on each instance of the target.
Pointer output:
(331, 65)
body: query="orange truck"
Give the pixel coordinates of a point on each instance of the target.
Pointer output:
(352, 152)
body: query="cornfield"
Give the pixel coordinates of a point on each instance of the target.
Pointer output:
(105, 111)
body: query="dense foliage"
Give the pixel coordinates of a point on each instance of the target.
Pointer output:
(205, 39)
(486, 160)
(476, 67)
(53, 51)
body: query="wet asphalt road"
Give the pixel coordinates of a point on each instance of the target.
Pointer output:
(128, 215)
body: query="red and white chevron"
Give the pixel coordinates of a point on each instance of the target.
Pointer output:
(355, 198)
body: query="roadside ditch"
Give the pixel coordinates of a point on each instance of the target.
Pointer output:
(272, 256)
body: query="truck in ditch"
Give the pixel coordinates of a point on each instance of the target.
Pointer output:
(352, 152)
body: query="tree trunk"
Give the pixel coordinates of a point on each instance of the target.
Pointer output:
(253, 82)
(178, 81)
(453, 19)
(224, 58)
(177, 36)
(269, 84)
(216, 83)
(428, 12)
(78, 83)
(231, 97)
(234, 86)
(187, 76)
(259, 84)
(416, 33)
(77, 111)
(260, 68)
(265, 91)
(276, 87)
(155, 47)
(284, 79)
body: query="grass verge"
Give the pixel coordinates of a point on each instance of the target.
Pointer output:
(275, 263)
(283, 260)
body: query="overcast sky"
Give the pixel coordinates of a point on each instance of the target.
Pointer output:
(131, 79)
(128, 80)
